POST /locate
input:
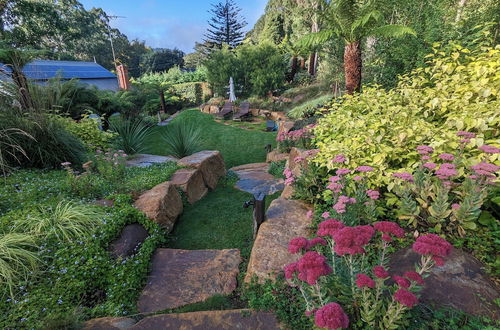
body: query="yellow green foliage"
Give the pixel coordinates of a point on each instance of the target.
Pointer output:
(457, 90)
(87, 129)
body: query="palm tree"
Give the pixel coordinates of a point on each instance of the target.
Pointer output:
(353, 21)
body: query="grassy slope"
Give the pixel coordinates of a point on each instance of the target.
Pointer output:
(237, 146)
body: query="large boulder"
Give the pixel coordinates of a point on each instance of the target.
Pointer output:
(211, 320)
(182, 277)
(284, 126)
(209, 162)
(131, 237)
(286, 219)
(461, 283)
(162, 204)
(109, 323)
(190, 180)
(276, 156)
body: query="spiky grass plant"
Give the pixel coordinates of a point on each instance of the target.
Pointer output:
(66, 222)
(10, 148)
(132, 135)
(182, 139)
(17, 260)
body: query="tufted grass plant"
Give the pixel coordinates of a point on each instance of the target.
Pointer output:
(17, 260)
(66, 222)
(132, 135)
(182, 139)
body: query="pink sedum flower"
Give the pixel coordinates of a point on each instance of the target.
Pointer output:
(329, 227)
(290, 270)
(467, 135)
(343, 171)
(433, 245)
(364, 281)
(446, 171)
(340, 158)
(380, 272)
(430, 165)
(405, 297)
(331, 316)
(401, 281)
(315, 242)
(415, 277)
(388, 227)
(447, 157)
(325, 215)
(312, 266)
(297, 244)
(455, 206)
(404, 176)
(489, 149)
(364, 169)
(357, 178)
(351, 240)
(425, 150)
(373, 194)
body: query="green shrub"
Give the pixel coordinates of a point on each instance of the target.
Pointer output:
(192, 92)
(17, 260)
(182, 139)
(133, 135)
(66, 222)
(88, 130)
(458, 90)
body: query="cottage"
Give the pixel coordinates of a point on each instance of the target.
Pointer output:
(40, 71)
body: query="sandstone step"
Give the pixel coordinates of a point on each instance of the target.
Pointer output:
(209, 162)
(286, 219)
(255, 178)
(182, 277)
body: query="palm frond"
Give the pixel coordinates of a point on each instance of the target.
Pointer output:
(392, 31)
(314, 40)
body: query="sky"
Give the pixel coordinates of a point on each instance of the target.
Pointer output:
(169, 23)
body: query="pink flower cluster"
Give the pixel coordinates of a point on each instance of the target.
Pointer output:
(296, 134)
(329, 227)
(447, 157)
(380, 272)
(310, 268)
(485, 169)
(343, 171)
(405, 297)
(363, 281)
(466, 136)
(433, 245)
(404, 176)
(340, 158)
(340, 206)
(351, 240)
(425, 150)
(388, 228)
(489, 149)
(331, 316)
(364, 169)
(299, 244)
(401, 281)
(289, 178)
(446, 171)
(415, 277)
(373, 194)
(430, 165)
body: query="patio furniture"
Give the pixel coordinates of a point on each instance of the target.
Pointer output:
(244, 112)
(226, 110)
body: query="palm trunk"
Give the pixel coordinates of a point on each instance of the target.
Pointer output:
(312, 64)
(22, 85)
(352, 67)
(293, 68)
(302, 63)
(163, 106)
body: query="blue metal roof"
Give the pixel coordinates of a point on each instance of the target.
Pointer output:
(44, 69)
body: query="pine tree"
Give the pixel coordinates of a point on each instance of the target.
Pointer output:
(226, 25)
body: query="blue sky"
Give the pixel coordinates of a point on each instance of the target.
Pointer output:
(169, 23)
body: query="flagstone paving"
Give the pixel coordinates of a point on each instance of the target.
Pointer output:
(255, 178)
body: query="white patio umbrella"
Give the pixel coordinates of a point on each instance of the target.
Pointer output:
(232, 96)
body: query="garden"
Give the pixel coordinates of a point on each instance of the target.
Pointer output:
(358, 190)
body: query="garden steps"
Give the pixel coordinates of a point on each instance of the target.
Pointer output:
(254, 179)
(206, 320)
(183, 277)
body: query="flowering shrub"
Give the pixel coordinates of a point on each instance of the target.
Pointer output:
(338, 281)
(110, 164)
(300, 138)
(435, 196)
(383, 128)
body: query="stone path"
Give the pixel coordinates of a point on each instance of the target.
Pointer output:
(182, 277)
(145, 160)
(169, 119)
(254, 178)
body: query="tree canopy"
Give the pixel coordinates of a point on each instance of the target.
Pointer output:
(226, 24)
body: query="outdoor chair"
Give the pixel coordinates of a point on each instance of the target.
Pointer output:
(244, 112)
(226, 110)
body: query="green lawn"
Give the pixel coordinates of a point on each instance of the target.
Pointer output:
(238, 146)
